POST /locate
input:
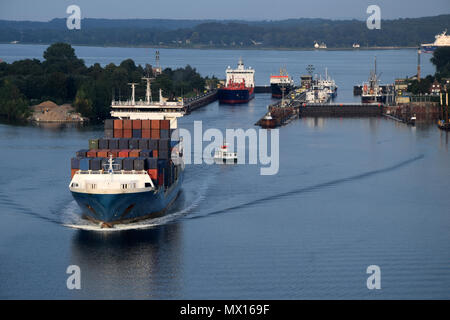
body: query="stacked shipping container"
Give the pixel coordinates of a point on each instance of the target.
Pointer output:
(135, 145)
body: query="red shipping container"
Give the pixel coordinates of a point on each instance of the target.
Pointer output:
(127, 133)
(118, 124)
(72, 172)
(155, 124)
(146, 124)
(118, 133)
(153, 173)
(154, 134)
(155, 153)
(115, 153)
(92, 153)
(137, 124)
(124, 153)
(134, 153)
(165, 124)
(102, 153)
(146, 133)
(127, 124)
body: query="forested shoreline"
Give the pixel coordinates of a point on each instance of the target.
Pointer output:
(287, 34)
(64, 78)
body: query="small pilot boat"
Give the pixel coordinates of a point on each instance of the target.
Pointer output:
(222, 155)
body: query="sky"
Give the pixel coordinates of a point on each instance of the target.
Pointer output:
(44, 10)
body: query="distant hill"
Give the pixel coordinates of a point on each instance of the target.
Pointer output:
(89, 23)
(291, 33)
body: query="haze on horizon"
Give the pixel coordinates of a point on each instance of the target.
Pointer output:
(45, 10)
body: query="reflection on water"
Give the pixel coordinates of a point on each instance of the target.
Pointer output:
(444, 139)
(60, 125)
(139, 260)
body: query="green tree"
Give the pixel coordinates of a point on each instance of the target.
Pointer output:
(62, 77)
(13, 104)
(83, 103)
(441, 59)
(55, 87)
(421, 87)
(60, 57)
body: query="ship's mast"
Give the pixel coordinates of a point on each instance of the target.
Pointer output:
(240, 64)
(375, 65)
(157, 59)
(418, 65)
(133, 86)
(148, 92)
(110, 164)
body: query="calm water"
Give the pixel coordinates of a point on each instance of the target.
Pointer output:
(350, 193)
(348, 68)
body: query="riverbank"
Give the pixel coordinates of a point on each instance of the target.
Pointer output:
(207, 47)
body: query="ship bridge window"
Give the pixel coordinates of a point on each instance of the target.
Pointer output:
(128, 185)
(74, 185)
(148, 184)
(92, 186)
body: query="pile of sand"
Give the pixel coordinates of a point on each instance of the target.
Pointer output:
(48, 111)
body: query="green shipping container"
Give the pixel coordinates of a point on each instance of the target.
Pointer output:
(93, 144)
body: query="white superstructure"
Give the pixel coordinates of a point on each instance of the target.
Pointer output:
(328, 84)
(241, 74)
(442, 40)
(317, 94)
(222, 155)
(111, 181)
(282, 79)
(148, 110)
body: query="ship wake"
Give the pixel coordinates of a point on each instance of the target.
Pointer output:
(314, 188)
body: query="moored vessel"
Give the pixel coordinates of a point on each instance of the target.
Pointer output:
(328, 84)
(372, 92)
(281, 82)
(268, 122)
(240, 85)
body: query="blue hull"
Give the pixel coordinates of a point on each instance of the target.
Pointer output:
(127, 207)
(235, 96)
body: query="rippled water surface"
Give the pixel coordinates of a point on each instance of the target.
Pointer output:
(349, 193)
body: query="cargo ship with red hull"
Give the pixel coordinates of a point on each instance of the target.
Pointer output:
(240, 85)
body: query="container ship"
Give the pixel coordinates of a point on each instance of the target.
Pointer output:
(281, 82)
(135, 170)
(240, 85)
(442, 40)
